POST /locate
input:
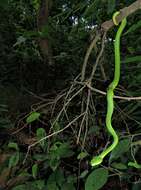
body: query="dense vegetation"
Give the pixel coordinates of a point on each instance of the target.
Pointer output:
(52, 116)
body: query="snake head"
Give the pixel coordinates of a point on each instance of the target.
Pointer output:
(96, 161)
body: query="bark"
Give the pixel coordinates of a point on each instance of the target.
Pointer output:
(125, 12)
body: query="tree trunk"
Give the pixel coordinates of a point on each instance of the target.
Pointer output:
(42, 21)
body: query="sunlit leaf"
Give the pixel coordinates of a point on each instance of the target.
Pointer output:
(135, 165)
(82, 155)
(13, 145)
(32, 117)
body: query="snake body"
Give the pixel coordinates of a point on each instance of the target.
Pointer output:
(110, 94)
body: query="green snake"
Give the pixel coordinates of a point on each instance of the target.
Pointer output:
(110, 94)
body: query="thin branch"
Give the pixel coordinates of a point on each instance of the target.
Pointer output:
(52, 134)
(67, 103)
(99, 56)
(87, 119)
(85, 115)
(117, 97)
(89, 50)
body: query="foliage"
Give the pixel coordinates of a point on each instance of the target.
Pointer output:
(32, 117)
(96, 179)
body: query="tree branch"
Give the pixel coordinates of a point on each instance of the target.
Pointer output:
(125, 12)
(128, 98)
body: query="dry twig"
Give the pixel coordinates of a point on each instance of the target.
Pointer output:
(52, 134)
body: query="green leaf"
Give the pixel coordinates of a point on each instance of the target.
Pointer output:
(25, 174)
(36, 185)
(40, 184)
(36, 4)
(56, 179)
(131, 50)
(82, 155)
(111, 6)
(132, 59)
(83, 174)
(41, 133)
(133, 27)
(122, 147)
(119, 166)
(32, 117)
(34, 170)
(51, 183)
(54, 163)
(64, 151)
(96, 179)
(68, 186)
(135, 165)
(19, 187)
(61, 150)
(13, 161)
(71, 179)
(40, 157)
(13, 145)
(59, 176)
(52, 186)
(56, 126)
